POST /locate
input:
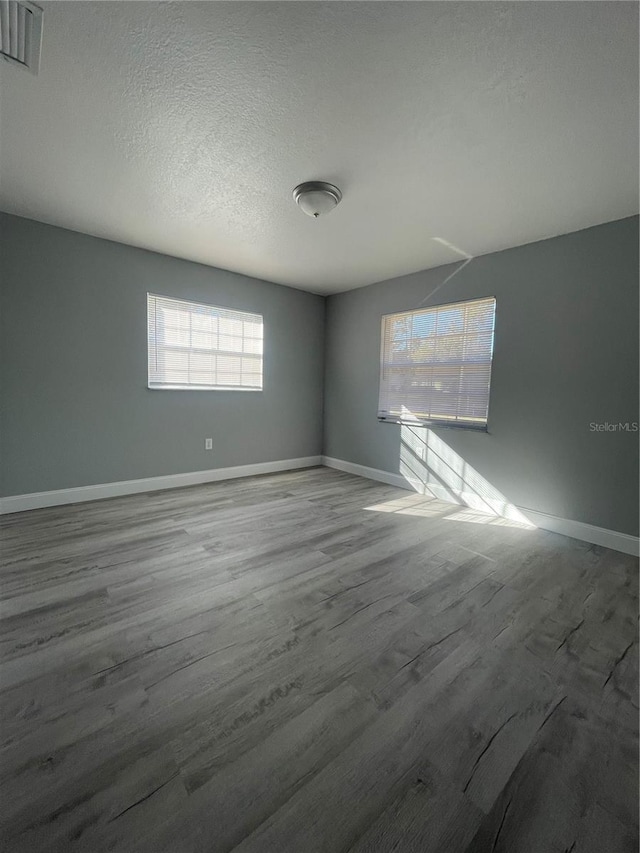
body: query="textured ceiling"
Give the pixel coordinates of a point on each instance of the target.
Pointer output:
(183, 128)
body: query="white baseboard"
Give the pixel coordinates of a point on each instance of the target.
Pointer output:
(370, 473)
(586, 532)
(79, 494)
(19, 503)
(576, 529)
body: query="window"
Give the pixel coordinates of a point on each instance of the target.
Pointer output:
(201, 347)
(436, 364)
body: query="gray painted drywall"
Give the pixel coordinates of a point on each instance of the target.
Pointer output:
(565, 356)
(75, 408)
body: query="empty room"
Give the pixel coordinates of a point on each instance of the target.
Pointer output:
(319, 427)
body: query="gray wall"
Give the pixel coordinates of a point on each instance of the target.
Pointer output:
(75, 408)
(566, 355)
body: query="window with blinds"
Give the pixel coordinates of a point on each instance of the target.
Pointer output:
(436, 364)
(201, 347)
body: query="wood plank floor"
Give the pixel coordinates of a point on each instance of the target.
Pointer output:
(312, 661)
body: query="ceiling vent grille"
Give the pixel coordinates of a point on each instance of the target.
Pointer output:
(21, 33)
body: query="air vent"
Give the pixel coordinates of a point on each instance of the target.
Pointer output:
(21, 33)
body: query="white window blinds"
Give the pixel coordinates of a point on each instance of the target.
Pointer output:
(436, 364)
(201, 347)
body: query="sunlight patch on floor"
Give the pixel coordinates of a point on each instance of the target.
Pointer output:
(426, 506)
(475, 517)
(416, 505)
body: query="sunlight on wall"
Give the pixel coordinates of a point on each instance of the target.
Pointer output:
(433, 469)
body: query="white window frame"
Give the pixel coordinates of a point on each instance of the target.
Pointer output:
(156, 350)
(426, 403)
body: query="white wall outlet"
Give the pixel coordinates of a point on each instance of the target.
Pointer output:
(208, 444)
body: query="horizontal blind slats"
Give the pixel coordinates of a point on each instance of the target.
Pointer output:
(436, 363)
(191, 345)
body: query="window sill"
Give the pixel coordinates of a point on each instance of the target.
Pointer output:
(436, 424)
(199, 388)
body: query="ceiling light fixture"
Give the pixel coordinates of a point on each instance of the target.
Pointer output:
(317, 197)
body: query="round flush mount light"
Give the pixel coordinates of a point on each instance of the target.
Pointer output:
(316, 197)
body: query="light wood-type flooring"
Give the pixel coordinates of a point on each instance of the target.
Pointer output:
(311, 662)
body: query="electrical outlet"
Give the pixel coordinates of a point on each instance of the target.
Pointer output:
(208, 444)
